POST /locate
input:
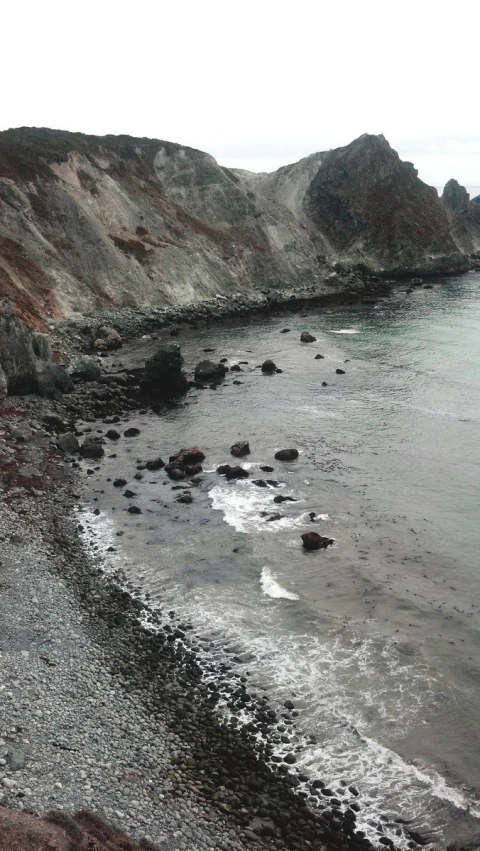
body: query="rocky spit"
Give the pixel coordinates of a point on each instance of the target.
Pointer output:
(104, 713)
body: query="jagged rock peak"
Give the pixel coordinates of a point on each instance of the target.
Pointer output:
(455, 196)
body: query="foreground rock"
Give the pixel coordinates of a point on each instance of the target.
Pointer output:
(268, 366)
(314, 541)
(305, 337)
(229, 472)
(163, 376)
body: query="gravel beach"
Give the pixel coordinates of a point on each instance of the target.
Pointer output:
(99, 712)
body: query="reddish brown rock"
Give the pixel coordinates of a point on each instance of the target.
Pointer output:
(314, 541)
(194, 455)
(240, 449)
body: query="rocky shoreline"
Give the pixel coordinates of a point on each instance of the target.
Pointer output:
(105, 702)
(105, 714)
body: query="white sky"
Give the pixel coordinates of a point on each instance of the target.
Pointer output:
(256, 83)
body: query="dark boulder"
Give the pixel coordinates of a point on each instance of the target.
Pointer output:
(194, 455)
(113, 434)
(186, 499)
(134, 509)
(305, 337)
(260, 483)
(162, 375)
(319, 357)
(85, 369)
(268, 366)
(237, 473)
(265, 468)
(207, 370)
(192, 469)
(119, 483)
(279, 499)
(155, 464)
(68, 443)
(90, 448)
(131, 432)
(286, 454)
(175, 472)
(340, 371)
(240, 449)
(314, 541)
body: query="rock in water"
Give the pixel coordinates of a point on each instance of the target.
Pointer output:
(340, 371)
(194, 455)
(305, 337)
(237, 473)
(268, 366)
(240, 449)
(163, 376)
(314, 541)
(286, 454)
(207, 370)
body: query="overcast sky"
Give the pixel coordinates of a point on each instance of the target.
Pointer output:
(256, 83)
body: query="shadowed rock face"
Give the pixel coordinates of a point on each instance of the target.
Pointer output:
(102, 222)
(376, 212)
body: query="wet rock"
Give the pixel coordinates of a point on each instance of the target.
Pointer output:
(85, 369)
(260, 483)
(265, 468)
(290, 759)
(354, 791)
(68, 443)
(279, 499)
(289, 704)
(236, 473)
(162, 375)
(155, 464)
(194, 455)
(134, 509)
(314, 541)
(112, 434)
(131, 432)
(192, 469)
(285, 331)
(186, 499)
(119, 483)
(240, 449)
(272, 517)
(340, 371)
(90, 448)
(207, 370)
(319, 357)
(236, 368)
(175, 472)
(306, 337)
(268, 366)
(324, 384)
(129, 494)
(222, 469)
(107, 338)
(286, 454)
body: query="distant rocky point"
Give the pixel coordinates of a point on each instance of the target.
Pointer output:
(91, 223)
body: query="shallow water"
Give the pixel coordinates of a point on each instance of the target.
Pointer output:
(377, 637)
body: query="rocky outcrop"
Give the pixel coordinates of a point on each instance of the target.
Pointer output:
(26, 359)
(163, 375)
(377, 215)
(89, 223)
(464, 217)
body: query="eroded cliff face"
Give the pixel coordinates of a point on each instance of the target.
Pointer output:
(104, 222)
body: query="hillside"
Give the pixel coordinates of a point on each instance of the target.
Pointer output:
(102, 222)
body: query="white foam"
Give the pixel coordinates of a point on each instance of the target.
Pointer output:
(272, 588)
(345, 331)
(242, 503)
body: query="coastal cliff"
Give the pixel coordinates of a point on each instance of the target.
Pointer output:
(91, 223)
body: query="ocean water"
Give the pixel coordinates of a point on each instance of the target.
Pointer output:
(376, 639)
